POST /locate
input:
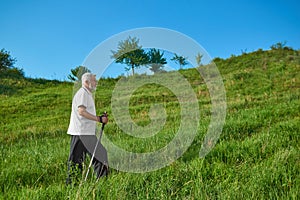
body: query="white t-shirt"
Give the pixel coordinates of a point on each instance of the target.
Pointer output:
(80, 125)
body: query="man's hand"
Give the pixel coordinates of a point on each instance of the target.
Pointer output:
(103, 118)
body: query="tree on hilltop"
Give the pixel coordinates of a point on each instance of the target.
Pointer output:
(199, 57)
(77, 72)
(179, 60)
(156, 60)
(130, 53)
(7, 65)
(6, 61)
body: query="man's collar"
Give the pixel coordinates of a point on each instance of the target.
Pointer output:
(86, 89)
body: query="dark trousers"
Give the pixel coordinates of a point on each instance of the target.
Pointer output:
(79, 147)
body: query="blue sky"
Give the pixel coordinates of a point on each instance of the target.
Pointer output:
(48, 38)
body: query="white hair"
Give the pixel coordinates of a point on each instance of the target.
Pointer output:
(86, 77)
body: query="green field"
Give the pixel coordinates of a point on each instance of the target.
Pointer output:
(256, 157)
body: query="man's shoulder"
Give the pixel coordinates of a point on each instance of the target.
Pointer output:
(80, 91)
(82, 94)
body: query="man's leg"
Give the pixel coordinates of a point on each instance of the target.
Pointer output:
(100, 162)
(100, 169)
(76, 158)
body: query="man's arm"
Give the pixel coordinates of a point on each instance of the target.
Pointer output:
(82, 111)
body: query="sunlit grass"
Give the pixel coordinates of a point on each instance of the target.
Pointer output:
(256, 157)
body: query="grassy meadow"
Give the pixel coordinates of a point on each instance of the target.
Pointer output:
(256, 157)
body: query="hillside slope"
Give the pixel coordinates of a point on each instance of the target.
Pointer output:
(256, 157)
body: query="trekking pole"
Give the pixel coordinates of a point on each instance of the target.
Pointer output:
(93, 155)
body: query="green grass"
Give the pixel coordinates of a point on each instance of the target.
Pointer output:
(256, 157)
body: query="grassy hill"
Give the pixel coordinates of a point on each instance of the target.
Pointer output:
(256, 157)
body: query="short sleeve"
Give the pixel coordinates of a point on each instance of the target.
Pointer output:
(82, 99)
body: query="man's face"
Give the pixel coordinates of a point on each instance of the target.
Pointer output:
(93, 83)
